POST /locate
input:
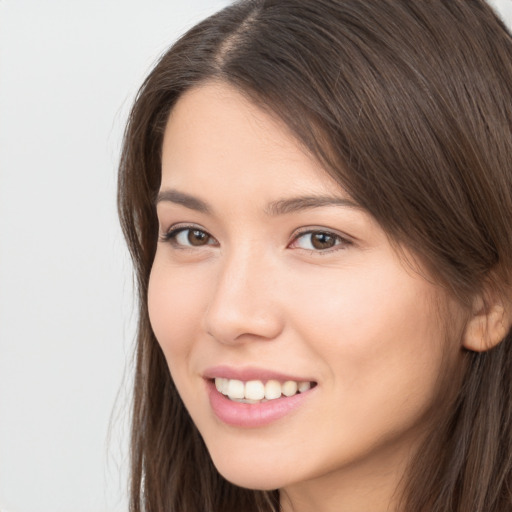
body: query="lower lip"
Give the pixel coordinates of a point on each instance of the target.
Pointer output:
(253, 415)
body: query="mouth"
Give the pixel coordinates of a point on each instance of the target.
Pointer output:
(254, 397)
(260, 391)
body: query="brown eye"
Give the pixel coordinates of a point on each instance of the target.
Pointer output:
(322, 240)
(189, 237)
(196, 237)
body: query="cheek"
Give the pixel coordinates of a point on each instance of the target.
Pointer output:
(174, 306)
(362, 309)
(379, 334)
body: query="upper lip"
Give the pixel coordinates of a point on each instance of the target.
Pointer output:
(248, 373)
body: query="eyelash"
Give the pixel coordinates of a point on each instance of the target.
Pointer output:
(340, 241)
(171, 235)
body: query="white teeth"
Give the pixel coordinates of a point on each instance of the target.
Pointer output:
(272, 390)
(304, 386)
(222, 385)
(236, 389)
(218, 384)
(290, 388)
(255, 391)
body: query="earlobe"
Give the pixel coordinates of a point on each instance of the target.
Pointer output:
(487, 326)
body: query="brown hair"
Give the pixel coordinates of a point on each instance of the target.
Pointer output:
(407, 103)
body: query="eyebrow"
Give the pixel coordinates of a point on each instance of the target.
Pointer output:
(191, 202)
(275, 208)
(294, 204)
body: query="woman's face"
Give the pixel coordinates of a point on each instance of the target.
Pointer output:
(268, 273)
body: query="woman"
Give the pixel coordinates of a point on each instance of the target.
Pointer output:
(317, 197)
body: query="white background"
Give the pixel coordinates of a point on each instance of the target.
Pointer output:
(69, 70)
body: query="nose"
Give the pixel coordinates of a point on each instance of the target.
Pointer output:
(244, 304)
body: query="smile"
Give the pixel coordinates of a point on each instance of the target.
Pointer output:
(258, 391)
(252, 402)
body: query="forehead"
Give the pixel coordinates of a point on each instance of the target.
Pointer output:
(214, 131)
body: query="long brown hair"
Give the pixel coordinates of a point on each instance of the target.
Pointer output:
(408, 104)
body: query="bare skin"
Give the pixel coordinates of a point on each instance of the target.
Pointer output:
(265, 262)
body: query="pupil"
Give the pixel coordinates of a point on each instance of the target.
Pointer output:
(322, 241)
(196, 237)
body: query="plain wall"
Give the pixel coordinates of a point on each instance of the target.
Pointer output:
(69, 70)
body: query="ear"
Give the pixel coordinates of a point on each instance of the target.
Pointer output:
(488, 325)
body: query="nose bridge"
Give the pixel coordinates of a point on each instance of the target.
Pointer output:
(243, 305)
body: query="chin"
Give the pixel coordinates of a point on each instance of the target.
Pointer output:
(253, 482)
(262, 477)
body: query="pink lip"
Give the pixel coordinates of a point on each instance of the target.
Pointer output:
(251, 415)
